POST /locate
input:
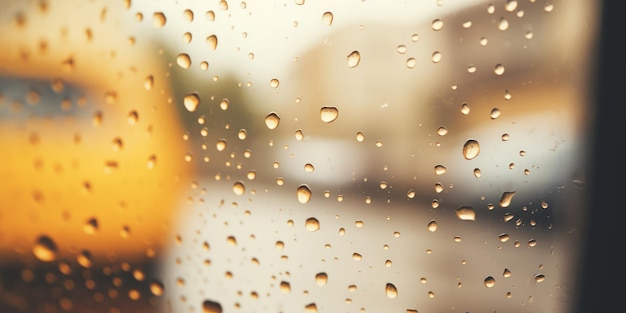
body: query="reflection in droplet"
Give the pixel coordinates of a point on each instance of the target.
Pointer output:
(272, 120)
(209, 306)
(191, 101)
(489, 282)
(328, 114)
(321, 279)
(303, 193)
(212, 42)
(45, 249)
(239, 188)
(471, 149)
(440, 169)
(183, 60)
(327, 18)
(354, 58)
(391, 291)
(158, 19)
(506, 198)
(432, 226)
(312, 224)
(466, 213)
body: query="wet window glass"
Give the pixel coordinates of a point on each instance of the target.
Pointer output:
(293, 156)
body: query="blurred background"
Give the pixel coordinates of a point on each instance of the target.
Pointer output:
(294, 156)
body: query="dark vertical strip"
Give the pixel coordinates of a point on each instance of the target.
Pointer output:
(602, 279)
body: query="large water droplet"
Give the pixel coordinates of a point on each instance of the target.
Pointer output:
(312, 224)
(504, 24)
(489, 282)
(212, 42)
(156, 287)
(209, 306)
(303, 193)
(310, 308)
(321, 279)
(191, 101)
(327, 18)
(329, 114)
(437, 24)
(506, 198)
(440, 169)
(183, 60)
(285, 287)
(436, 57)
(158, 19)
(274, 83)
(411, 62)
(354, 58)
(239, 188)
(391, 291)
(510, 5)
(84, 259)
(91, 226)
(466, 213)
(432, 226)
(498, 69)
(45, 249)
(471, 149)
(272, 120)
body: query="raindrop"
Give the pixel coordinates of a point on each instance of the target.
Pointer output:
(329, 114)
(504, 24)
(539, 278)
(477, 173)
(239, 188)
(156, 288)
(312, 224)
(438, 187)
(465, 109)
(223, 4)
(209, 306)
(483, 41)
(45, 249)
(506, 198)
(91, 226)
(354, 58)
(242, 134)
(471, 149)
(436, 58)
(309, 168)
(148, 83)
(440, 169)
(303, 193)
(495, 113)
(467, 24)
(158, 19)
(489, 282)
(224, 104)
(442, 131)
(321, 279)
(220, 145)
(84, 259)
(274, 83)
(360, 137)
(183, 60)
(285, 287)
(401, 49)
(437, 24)
(510, 5)
(410, 194)
(357, 256)
(272, 120)
(506, 273)
(212, 42)
(504, 237)
(327, 18)
(391, 291)
(191, 101)
(133, 117)
(299, 135)
(188, 15)
(548, 7)
(432, 226)
(466, 213)
(310, 308)
(411, 62)
(499, 69)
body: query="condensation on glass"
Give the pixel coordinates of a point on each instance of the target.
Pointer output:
(293, 156)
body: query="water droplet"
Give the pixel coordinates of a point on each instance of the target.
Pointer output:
(495, 113)
(471, 149)
(188, 15)
(440, 169)
(506, 273)
(489, 282)
(148, 83)
(401, 49)
(298, 2)
(310, 308)
(209, 306)
(191, 101)
(327, 18)
(437, 24)
(391, 291)
(220, 145)
(329, 114)
(466, 213)
(436, 58)
(309, 168)
(354, 58)
(45, 249)
(91, 226)
(442, 131)
(504, 237)
(483, 41)
(242, 134)
(410, 194)
(548, 7)
(411, 62)
(303, 193)
(499, 69)
(183, 60)
(506, 198)
(212, 42)
(274, 83)
(357, 256)
(432, 226)
(388, 263)
(224, 104)
(504, 24)
(239, 188)
(156, 288)
(84, 259)
(312, 224)
(465, 109)
(321, 279)
(477, 172)
(223, 5)
(285, 287)
(540, 277)
(158, 19)
(438, 187)
(272, 120)
(510, 5)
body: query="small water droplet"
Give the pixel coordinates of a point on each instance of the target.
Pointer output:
(360, 137)
(401, 49)
(510, 5)
(158, 19)
(45, 249)
(285, 287)
(224, 104)
(438, 187)
(156, 288)
(309, 168)
(477, 173)
(310, 308)
(495, 113)
(432, 226)
(274, 83)
(209, 306)
(242, 134)
(327, 18)
(506, 273)
(466, 213)
(489, 282)
(391, 291)
(91, 226)
(465, 109)
(548, 7)
(483, 41)
(440, 169)
(540, 277)
(183, 60)
(239, 188)
(506, 198)
(442, 131)
(191, 101)
(499, 69)
(357, 256)
(212, 42)
(303, 193)
(272, 120)
(410, 194)
(504, 24)
(312, 224)
(471, 149)
(504, 237)
(148, 83)
(436, 57)
(411, 62)
(354, 58)
(321, 279)
(223, 5)
(437, 24)
(328, 114)
(84, 259)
